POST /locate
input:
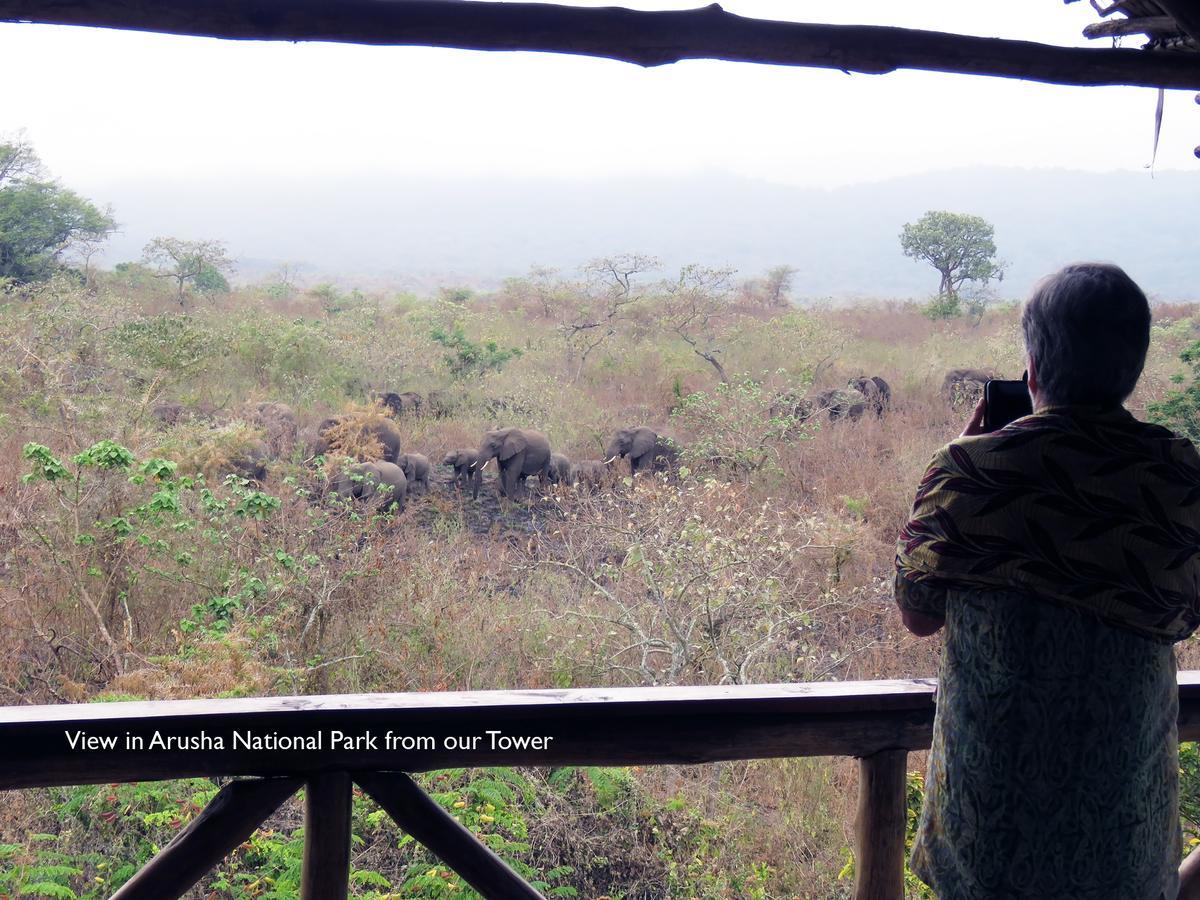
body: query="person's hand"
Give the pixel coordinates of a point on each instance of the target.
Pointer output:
(975, 426)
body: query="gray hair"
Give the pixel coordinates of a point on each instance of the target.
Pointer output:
(1087, 328)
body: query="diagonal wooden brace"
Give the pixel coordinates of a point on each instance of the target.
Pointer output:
(232, 816)
(419, 815)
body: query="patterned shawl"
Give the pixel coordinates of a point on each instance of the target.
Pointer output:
(1086, 507)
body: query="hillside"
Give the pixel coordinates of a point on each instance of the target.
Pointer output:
(416, 232)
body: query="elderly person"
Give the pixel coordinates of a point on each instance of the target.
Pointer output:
(1060, 553)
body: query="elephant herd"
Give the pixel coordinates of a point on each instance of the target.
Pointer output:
(849, 403)
(383, 471)
(519, 453)
(960, 387)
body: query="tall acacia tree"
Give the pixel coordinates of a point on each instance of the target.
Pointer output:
(39, 219)
(694, 307)
(960, 247)
(203, 264)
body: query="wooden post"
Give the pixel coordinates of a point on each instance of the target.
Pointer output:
(879, 826)
(419, 815)
(230, 818)
(326, 872)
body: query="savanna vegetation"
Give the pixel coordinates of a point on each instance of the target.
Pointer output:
(139, 562)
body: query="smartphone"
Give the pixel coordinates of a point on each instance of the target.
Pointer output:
(1004, 402)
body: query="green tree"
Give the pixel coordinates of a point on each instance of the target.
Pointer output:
(40, 219)
(210, 280)
(960, 247)
(694, 308)
(777, 286)
(203, 264)
(468, 359)
(331, 299)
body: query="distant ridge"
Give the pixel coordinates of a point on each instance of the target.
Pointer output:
(418, 232)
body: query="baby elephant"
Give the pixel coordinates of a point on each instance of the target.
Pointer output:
(381, 483)
(462, 460)
(591, 473)
(559, 470)
(416, 468)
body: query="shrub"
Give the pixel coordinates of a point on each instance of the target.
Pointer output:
(1180, 411)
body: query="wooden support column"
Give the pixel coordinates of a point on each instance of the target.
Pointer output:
(419, 815)
(326, 872)
(879, 826)
(230, 818)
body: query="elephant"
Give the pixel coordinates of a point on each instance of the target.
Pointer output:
(590, 472)
(416, 468)
(168, 414)
(644, 448)
(278, 422)
(518, 452)
(877, 391)
(964, 387)
(791, 405)
(558, 470)
(250, 462)
(406, 403)
(462, 461)
(381, 483)
(839, 403)
(438, 404)
(381, 429)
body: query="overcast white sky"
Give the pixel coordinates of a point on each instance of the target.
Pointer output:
(102, 106)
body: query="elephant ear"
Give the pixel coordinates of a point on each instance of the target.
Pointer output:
(513, 444)
(372, 477)
(643, 442)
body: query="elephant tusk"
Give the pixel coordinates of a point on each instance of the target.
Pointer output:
(609, 460)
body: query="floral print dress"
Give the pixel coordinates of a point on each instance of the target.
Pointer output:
(1054, 767)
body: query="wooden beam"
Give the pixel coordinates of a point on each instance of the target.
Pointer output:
(325, 874)
(42, 746)
(92, 743)
(228, 820)
(879, 826)
(642, 38)
(1120, 27)
(419, 815)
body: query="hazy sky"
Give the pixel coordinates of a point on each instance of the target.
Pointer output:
(102, 106)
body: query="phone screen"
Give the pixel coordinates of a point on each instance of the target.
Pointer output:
(1004, 402)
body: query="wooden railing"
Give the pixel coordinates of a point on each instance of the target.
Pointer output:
(373, 739)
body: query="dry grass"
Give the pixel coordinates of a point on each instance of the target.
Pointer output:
(455, 595)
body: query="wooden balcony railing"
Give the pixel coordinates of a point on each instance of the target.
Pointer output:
(373, 739)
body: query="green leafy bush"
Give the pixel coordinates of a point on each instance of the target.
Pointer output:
(468, 359)
(1180, 411)
(738, 427)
